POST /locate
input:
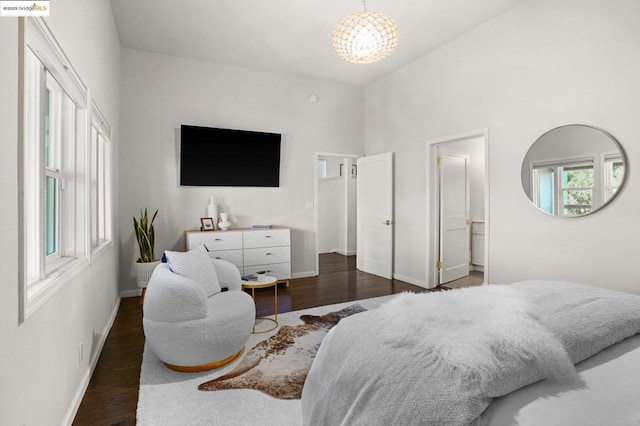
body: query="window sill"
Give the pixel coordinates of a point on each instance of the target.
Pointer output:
(40, 292)
(100, 250)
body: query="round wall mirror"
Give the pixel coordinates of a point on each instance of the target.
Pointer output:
(573, 170)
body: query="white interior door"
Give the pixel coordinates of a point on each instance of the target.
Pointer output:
(454, 215)
(375, 215)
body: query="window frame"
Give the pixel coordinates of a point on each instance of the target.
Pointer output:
(610, 161)
(563, 191)
(101, 211)
(41, 276)
(595, 161)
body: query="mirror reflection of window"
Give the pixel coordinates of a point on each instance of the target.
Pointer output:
(571, 195)
(577, 190)
(614, 174)
(573, 170)
(544, 189)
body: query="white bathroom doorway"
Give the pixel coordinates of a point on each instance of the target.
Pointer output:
(474, 146)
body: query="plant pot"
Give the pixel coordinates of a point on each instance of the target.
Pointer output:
(144, 271)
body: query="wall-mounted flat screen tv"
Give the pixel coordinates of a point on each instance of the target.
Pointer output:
(224, 157)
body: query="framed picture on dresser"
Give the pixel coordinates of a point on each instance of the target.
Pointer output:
(207, 224)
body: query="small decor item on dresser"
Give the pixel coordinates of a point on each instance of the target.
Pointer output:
(224, 223)
(212, 210)
(260, 226)
(207, 224)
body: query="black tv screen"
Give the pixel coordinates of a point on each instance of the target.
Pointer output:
(224, 157)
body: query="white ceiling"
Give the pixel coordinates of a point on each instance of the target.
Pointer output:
(292, 36)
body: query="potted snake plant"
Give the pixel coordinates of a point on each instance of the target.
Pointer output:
(145, 235)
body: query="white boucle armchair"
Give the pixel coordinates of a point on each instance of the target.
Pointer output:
(191, 332)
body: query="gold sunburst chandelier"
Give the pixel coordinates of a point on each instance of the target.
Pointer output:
(365, 37)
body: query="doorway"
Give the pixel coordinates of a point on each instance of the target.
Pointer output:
(335, 202)
(466, 249)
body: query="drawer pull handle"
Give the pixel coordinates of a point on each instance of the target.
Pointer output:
(218, 257)
(267, 236)
(217, 239)
(268, 254)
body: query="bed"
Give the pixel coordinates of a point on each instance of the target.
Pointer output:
(490, 355)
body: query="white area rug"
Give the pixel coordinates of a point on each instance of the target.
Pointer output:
(170, 398)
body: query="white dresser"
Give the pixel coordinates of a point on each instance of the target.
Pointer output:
(251, 250)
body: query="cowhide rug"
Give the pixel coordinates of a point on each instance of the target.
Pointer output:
(279, 365)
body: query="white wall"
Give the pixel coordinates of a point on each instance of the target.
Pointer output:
(331, 193)
(333, 166)
(39, 369)
(543, 64)
(159, 93)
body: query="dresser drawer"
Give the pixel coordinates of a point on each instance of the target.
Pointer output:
(281, 271)
(233, 256)
(267, 255)
(266, 238)
(214, 241)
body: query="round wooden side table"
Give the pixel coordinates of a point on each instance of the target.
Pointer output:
(264, 281)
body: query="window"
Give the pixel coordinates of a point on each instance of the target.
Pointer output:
(54, 168)
(544, 188)
(614, 174)
(565, 188)
(576, 187)
(50, 175)
(322, 167)
(59, 119)
(100, 181)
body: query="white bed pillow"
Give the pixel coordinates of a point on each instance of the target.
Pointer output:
(585, 319)
(197, 266)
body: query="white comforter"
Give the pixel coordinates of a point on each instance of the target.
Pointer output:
(439, 358)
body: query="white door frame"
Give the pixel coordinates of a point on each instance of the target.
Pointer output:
(432, 198)
(316, 157)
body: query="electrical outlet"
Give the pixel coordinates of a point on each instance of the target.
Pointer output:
(80, 353)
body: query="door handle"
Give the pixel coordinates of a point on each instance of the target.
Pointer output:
(387, 222)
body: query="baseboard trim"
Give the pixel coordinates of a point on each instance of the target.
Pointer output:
(410, 280)
(344, 253)
(306, 274)
(131, 293)
(86, 378)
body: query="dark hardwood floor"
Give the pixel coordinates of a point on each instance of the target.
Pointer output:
(474, 278)
(112, 395)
